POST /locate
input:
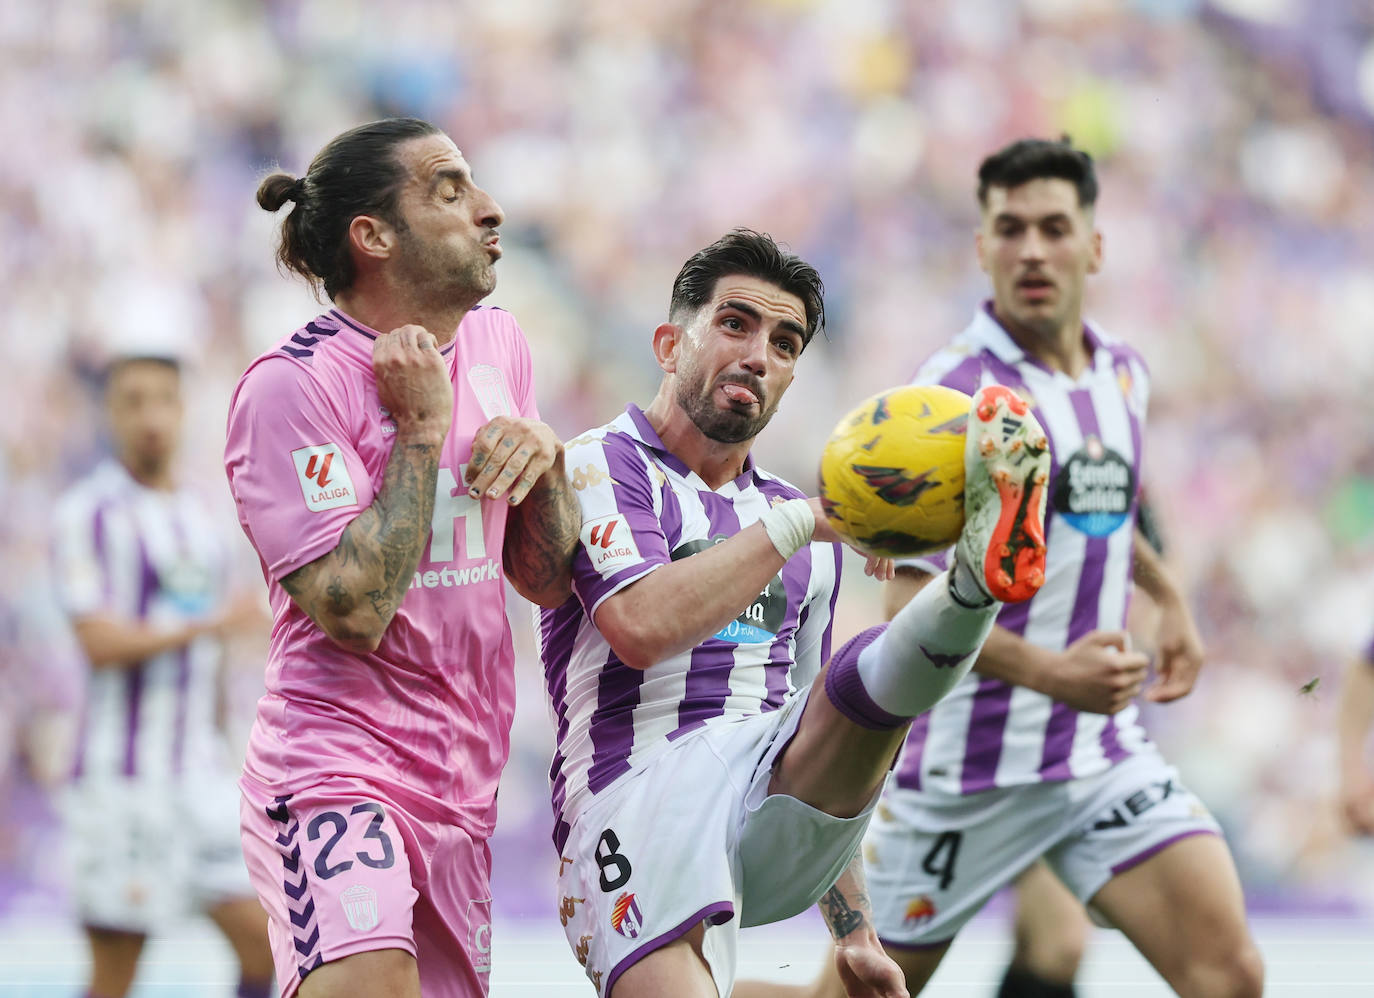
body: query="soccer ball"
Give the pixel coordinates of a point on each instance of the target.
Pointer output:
(892, 472)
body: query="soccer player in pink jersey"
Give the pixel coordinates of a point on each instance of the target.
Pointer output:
(1037, 753)
(702, 780)
(391, 472)
(141, 571)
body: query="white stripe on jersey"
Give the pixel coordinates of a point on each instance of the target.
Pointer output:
(160, 561)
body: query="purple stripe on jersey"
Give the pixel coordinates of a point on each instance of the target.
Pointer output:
(98, 539)
(183, 672)
(909, 762)
(1063, 720)
(777, 673)
(965, 375)
(612, 725)
(987, 723)
(133, 697)
(796, 578)
(713, 914)
(834, 599)
(558, 633)
(133, 677)
(708, 677)
(1110, 742)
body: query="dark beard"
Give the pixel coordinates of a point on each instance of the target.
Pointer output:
(725, 426)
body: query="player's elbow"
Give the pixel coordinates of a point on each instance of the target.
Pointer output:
(352, 636)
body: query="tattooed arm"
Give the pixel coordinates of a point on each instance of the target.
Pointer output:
(863, 966)
(353, 591)
(540, 537)
(522, 459)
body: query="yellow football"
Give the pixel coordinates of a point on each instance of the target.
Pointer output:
(892, 472)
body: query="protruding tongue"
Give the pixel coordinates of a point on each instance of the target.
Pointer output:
(738, 393)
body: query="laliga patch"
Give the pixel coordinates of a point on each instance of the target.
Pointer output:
(626, 918)
(324, 477)
(1094, 489)
(609, 543)
(489, 385)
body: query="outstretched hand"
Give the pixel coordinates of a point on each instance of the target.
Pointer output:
(882, 569)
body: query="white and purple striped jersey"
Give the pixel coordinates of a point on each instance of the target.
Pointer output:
(641, 509)
(157, 557)
(987, 733)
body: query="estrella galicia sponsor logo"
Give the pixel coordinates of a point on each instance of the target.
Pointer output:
(324, 477)
(1094, 489)
(762, 619)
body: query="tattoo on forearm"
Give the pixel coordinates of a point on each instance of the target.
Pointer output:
(380, 549)
(838, 914)
(541, 536)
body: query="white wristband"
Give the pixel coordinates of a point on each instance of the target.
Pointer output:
(790, 526)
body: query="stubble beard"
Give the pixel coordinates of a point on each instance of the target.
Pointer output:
(725, 426)
(446, 279)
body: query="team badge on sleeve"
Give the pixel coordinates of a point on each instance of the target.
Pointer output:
(324, 477)
(609, 543)
(626, 917)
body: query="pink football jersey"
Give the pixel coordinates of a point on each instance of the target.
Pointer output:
(428, 714)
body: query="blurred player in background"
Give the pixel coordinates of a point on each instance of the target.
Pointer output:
(1039, 754)
(1356, 721)
(391, 472)
(702, 781)
(152, 809)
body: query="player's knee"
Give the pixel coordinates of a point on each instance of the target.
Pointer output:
(1238, 973)
(1052, 953)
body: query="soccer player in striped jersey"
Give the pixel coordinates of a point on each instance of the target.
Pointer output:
(392, 472)
(702, 781)
(1355, 724)
(1038, 752)
(152, 811)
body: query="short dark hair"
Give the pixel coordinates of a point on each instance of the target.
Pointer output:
(1035, 159)
(118, 362)
(357, 173)
(753, 254)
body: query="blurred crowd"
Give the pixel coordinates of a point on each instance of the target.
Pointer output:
(1236, 147)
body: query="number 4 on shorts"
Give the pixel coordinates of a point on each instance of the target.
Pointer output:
(940, 860)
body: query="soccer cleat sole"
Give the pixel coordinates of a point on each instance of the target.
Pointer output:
(1016, 455)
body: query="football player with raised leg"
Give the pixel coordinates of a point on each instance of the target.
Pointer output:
(702, 781)
(1037, 753)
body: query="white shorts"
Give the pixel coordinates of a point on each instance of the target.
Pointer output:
(694, 836)
(933, 860)
(142, 856)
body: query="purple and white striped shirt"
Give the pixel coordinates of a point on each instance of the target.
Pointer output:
(642, 508)
(157, 557)
(987, 733)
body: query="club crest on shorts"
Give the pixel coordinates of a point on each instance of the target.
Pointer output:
(919, 909)
(360, 907)
(626, 917)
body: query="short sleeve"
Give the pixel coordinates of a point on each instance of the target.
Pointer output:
(81, 545)
(622, 537)
(294, 472)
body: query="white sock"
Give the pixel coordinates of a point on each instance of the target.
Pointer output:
(906, 669)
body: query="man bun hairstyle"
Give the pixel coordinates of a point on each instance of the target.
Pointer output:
(357, 173)
(1037, 159)
(752, 254)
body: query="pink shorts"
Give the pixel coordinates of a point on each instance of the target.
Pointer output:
(342, 869)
